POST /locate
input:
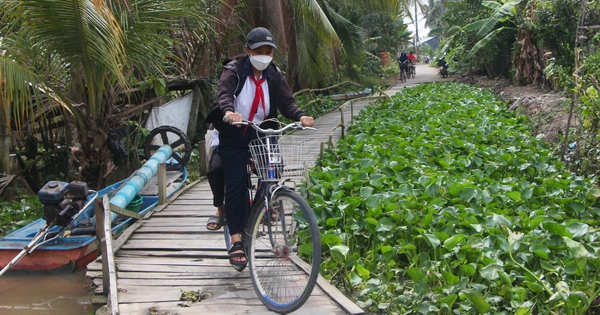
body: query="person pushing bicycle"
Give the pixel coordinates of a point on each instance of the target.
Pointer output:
(250, 88)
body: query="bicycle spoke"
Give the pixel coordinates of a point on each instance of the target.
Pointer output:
(279, 239)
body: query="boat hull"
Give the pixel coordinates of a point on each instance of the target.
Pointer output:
(71, 252)
(51, 260)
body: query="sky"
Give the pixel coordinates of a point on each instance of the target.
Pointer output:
(423, 30)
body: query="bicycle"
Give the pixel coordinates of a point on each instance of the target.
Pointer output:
(282, 240)
(404, 71)
(412, 69)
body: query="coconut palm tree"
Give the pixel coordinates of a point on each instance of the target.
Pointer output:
(80, 57)
(314, 34)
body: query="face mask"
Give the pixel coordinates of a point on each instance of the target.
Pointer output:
(260, 62)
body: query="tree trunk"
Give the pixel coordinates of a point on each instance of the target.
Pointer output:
(4, 143)
(289, 32)
(75, 153)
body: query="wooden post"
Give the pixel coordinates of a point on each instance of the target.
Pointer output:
(342, 121)
(351, 112)
(203, 159)
(101, 239)
(322, 150)
(108, 258)
(162, 186)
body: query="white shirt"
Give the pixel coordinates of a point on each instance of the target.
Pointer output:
(215, 138)
(243, 103)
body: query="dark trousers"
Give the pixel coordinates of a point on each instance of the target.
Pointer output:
(235, 162)
(215, 179)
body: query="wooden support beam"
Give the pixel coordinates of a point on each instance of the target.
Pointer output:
(162, 186)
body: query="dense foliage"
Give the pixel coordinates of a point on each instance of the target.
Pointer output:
(441, 203)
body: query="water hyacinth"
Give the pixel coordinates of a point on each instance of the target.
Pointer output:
(444, 203)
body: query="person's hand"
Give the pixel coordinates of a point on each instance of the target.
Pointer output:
(306, 121)
(233, 117)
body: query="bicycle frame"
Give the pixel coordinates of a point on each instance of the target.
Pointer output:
(266, 186)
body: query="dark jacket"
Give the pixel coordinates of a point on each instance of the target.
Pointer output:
(402, 59)
(231, 83)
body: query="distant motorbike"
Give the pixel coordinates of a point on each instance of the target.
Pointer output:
(426, 59)
(443, 66)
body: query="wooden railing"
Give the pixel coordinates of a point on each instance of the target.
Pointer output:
(104, 238)
(342, 124)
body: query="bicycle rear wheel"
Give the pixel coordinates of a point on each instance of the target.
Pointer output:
(284, 251)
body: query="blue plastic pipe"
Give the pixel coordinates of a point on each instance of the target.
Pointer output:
(138, 180)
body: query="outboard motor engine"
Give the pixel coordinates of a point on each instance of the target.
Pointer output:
(62, 201)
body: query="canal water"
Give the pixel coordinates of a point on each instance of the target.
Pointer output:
(46, 294)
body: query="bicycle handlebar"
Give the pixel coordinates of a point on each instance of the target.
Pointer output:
(295, 125)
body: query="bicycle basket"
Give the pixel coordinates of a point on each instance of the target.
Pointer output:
(277, 157)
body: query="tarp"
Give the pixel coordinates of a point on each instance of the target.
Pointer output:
(175, 113)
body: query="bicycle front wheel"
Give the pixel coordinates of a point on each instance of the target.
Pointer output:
(284, 251)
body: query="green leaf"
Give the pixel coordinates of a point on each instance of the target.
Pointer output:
(578, 229)
(448, 301)
(453, 241)
(366, 191)
(331, 240)
(474, 26)
(433, 240)
(595, 191)
(355, 279)
(339, 253)
(362, 272)
(577, 249)
(482, 43)
(490, 272)
(416, 274)
(514, 195)
(468, 193)
(540, 250)
(480, 304)
(385, 224)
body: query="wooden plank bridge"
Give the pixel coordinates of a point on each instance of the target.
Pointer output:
(170, 252)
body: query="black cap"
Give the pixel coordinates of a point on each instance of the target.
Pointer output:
(260, 36)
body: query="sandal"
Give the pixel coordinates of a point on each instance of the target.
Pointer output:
(237, 265)
(274, 214)
(219, 221)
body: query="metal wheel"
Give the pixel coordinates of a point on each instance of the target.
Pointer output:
(182, 149)
(284, 251)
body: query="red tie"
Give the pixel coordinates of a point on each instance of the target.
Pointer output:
(259, 96)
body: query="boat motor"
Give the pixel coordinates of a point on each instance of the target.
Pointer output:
(62, 201)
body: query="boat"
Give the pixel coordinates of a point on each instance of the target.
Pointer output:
(60, 242)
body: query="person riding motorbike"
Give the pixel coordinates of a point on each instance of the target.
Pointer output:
(413, 59)
(412, 56)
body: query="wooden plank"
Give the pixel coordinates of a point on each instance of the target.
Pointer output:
(141, 276)
(233, 306)
(167, 283)
(178, 253)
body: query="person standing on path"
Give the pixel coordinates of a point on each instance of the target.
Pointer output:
(250, 88)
